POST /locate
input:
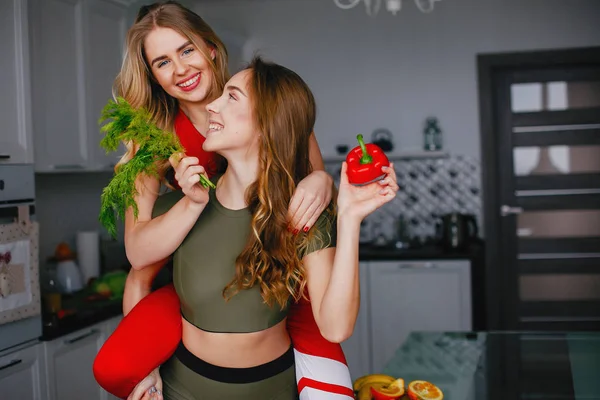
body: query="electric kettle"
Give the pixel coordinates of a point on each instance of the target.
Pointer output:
(457, 230)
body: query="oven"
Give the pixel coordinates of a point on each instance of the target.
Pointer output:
(20, 305)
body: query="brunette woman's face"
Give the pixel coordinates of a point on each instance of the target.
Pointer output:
(231, 123)
(178, 65)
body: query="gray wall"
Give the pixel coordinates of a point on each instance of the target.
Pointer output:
(394, 71)
(67, 203)
(365, 72)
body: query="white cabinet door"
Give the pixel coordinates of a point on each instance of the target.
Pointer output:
(416, 296)
(15, 108)
(69, 362)
(105, 34)
(357, 347)
(21, 374)
(58, 85)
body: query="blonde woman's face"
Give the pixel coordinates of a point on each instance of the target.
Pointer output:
(231, 124)
(178, 65)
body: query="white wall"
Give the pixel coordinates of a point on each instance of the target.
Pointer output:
(394, 71)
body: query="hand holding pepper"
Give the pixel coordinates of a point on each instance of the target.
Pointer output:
(359, 201)
(365, 162)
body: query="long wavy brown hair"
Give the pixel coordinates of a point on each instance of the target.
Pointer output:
(284, 110)
(135, 82)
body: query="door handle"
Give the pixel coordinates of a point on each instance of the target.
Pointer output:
(81, 337)
(508, 210)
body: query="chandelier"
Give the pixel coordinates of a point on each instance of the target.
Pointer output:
(393, 6)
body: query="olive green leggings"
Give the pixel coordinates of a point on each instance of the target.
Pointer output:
(186, 377)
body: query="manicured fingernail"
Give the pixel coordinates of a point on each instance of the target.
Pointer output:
(306, 228)
(295, 231)
(289, 229)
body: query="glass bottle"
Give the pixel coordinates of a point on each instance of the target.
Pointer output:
(432, 135)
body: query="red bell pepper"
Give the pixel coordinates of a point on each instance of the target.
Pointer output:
(365, 162)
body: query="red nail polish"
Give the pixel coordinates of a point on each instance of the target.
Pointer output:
(289, 229)
(295, 231)
(306, 228)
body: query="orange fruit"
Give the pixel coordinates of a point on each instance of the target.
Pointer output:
(423, 390)
(381, 391)
(399, 383)
(63, 252)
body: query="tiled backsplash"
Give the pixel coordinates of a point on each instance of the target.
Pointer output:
(429, 188)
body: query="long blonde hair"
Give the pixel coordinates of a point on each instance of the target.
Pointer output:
(284, 110)
(135, 82)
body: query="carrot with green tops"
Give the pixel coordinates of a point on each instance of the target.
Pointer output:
(154, 144)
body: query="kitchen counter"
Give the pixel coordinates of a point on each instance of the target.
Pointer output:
(84, 313)
(427, 252)
(81, 313)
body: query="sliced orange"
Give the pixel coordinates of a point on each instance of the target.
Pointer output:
(398, 383)
(386, 392)
(423, 390)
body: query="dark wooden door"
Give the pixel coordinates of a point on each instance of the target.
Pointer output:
(542, 169)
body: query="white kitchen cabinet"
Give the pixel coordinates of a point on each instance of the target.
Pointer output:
(21, 374)
(69, 361)
(105, 39)
(57, 84)
(75, 55)
(357, 347)
(407, 296)
(15, 110)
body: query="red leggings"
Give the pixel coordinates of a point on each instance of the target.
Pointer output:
(150, 333)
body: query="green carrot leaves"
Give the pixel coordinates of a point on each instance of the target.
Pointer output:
(132, 125)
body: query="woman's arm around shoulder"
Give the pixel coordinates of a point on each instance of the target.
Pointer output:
(312, 194)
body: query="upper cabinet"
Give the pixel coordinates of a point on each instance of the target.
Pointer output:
(105, 33)
(15, 111)
(76, 52)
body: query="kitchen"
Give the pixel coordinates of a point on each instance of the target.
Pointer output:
(406, 67)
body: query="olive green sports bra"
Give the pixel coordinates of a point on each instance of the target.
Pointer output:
(205, 263)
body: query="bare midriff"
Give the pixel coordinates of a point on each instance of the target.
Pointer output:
(237, 350)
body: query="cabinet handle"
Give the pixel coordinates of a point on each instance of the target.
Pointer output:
(4, 156)
(69, 166)
(11, 364)
(417, 265)
(78, 338)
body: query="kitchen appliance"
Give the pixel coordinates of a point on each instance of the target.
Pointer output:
(457, 230)
(20, 305)
(402, 237)
(383, 138)
(68, 276)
